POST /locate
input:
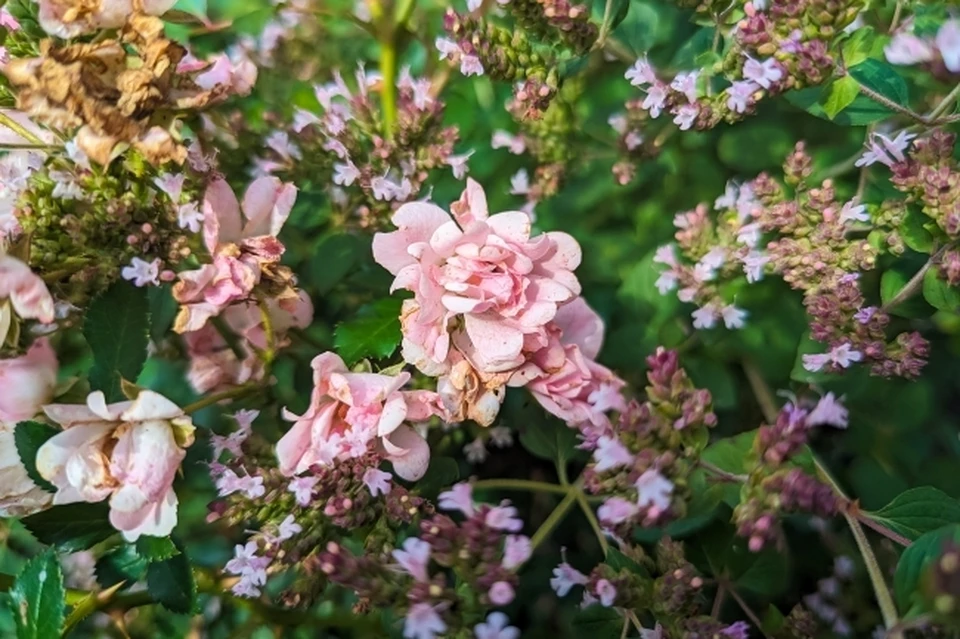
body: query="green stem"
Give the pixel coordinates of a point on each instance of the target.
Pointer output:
(216, 398)
(592, 518)
(554, 518)
(16, 127)
(521, 484)
(754, 619)
(605, 26)
(864, 519)
(721, 473)
(388, 88)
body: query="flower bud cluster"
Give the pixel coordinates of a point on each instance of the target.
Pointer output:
(643, 464)
(928, 174)
(556, 21)
(366, 174)
(776, 483)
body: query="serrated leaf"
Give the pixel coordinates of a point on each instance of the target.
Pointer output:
(840, 95)
(116, 328)
(72, 527)
(938, 293)
(156, 548)
(598, 622)
(914, 561)
(121, 564)
(918, 511)
(374, 332)
(37, 598)
(29, 437)
(172, 585)
(335, 257)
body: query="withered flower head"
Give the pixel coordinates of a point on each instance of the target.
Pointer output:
(70, 18)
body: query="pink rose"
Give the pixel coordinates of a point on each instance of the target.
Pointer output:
(25, 291)
(565, 379)
(19, 496)
(482, 274)
(351, 414)
(27, 382)
(242, 247)
(85, 17)
(129, 452)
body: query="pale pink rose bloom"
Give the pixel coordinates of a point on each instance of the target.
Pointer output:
(128, 452)
(241, 245)
(19, 496)
(106, 14)
(564, 378)
(27, 382)
(485, 270)
(25, 290)
(351, 414)
(214, 366)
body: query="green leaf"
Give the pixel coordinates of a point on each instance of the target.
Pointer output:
(116, 327)
(163, 310)
(441, 473)
(172, 585)
(914, 232)
(840, 95)
(549, 439)
(882, 78)
(914, 561)
(156, 548)
(618, 12)
(857, 47)
(122, 563)
(716, 377)
(754, 146)
(638, 29)
(72, 527)
(873, 74)
(37, 598)
(374, 332)
(619, 561)
(29, 437)
(918, 511)
(598, 622)
(938, 293)
(334, 258)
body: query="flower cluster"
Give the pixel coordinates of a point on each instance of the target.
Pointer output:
(642, 464)
(482, 553)
(493, 307)
(777, 483)
(371, 174)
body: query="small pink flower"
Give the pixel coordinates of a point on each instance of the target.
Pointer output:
(853, 211)
(471, 65)
(739, 95)
(616, 510)
(685, 115)
(19, 496)
(458, 164)
(606, 592)
(302, 489)
(504, 140)
(948, 42)
(171, 184)
(641, 73)
(377, 481)
(733, 317)
(566, 577)
(142, 273)
(25, 290)
(739, 630)
(28, 382)
(423, 622)
(611, 453)
(766, 73)
(655, 99)
(503, 517)
(365, 407)
(345, 174)
(653, 489)
(706, 316)
(288, 529)
(459, 497)
(882, 149)
(7, 21)
(129, 452)
(414, 558)
(496, 627)
(686, 83)
(501, 593)
(906, 48)
(829, 411)
(516, 551)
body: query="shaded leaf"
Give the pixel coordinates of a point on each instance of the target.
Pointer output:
(938, 293)
(172, 585)
(549, 439)
(156, 548)
(72, 527)
(37, 598)
(914, 561)
(918, 511)
(121, 564)
(116, 327)
(29, 437)
(334, 258)
(598, 622)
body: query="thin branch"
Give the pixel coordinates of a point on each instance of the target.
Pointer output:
(721, 473)
(521, 484)
(555, 517)
(19, 129)
(216, 398)
(864, 518)
(754, 619)
(592, 518)
(916, 282)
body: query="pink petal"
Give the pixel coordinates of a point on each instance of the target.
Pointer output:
(496, 345)
(416, 223)
(513, 225)
(581, 326)
(267, 205)
(221, 215)
(409, 453)
(394, 412)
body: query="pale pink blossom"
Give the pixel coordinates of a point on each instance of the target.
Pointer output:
(496, 627)
(470, 65)
(190, 217)
(906, 48)
(841, 356)
(739, 95)
(423, 622)
(367, 407)
(28, 382)
(62, 18)
(881, 148)
(503, 517)
(251, 567)
(685, 115)
(565, 577)
(766, 73)
(128, 452)
(611, 453)
(616, 510)
(303, 119)
(504, 140)
(653, 490)
(516, 551)
(948, 42)
(288, 529)
(345, 173)
(606, 592)
(24, 290)
(488, 271)
(753, 265)
(142, 273)
(7, 21)
(458, 164)
(686, 83)
(501, 436)
(414, 557)
(377, 481)
(641, 73)
(302, 489)
(447, 48)
(236, 76)
(706, 316)
(733, 316)
(459, 497)
(171, 184)
(829, 410)
(501, 593)
(241, 246)
(655, 99)
(520, 183)
(853, 211)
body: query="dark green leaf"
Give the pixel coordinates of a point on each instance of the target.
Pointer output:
(716, 377)
(754, 146)
(72, 527)
(172, 585)
(549, 439)
(638, 29)
(914, 561)
(374, 332)
(37, 598)
(891, 283)
(618, 11)
(334, 258)
(29, 437)
(116, 328)
(840, 95)
(619, 561)
(938, 293)
(121, 564)
(598, 622)
(882, 78)
(918, 511)
(914, 233)
(441, 474)
(873, 74)
(163, 310)
(156, 548)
